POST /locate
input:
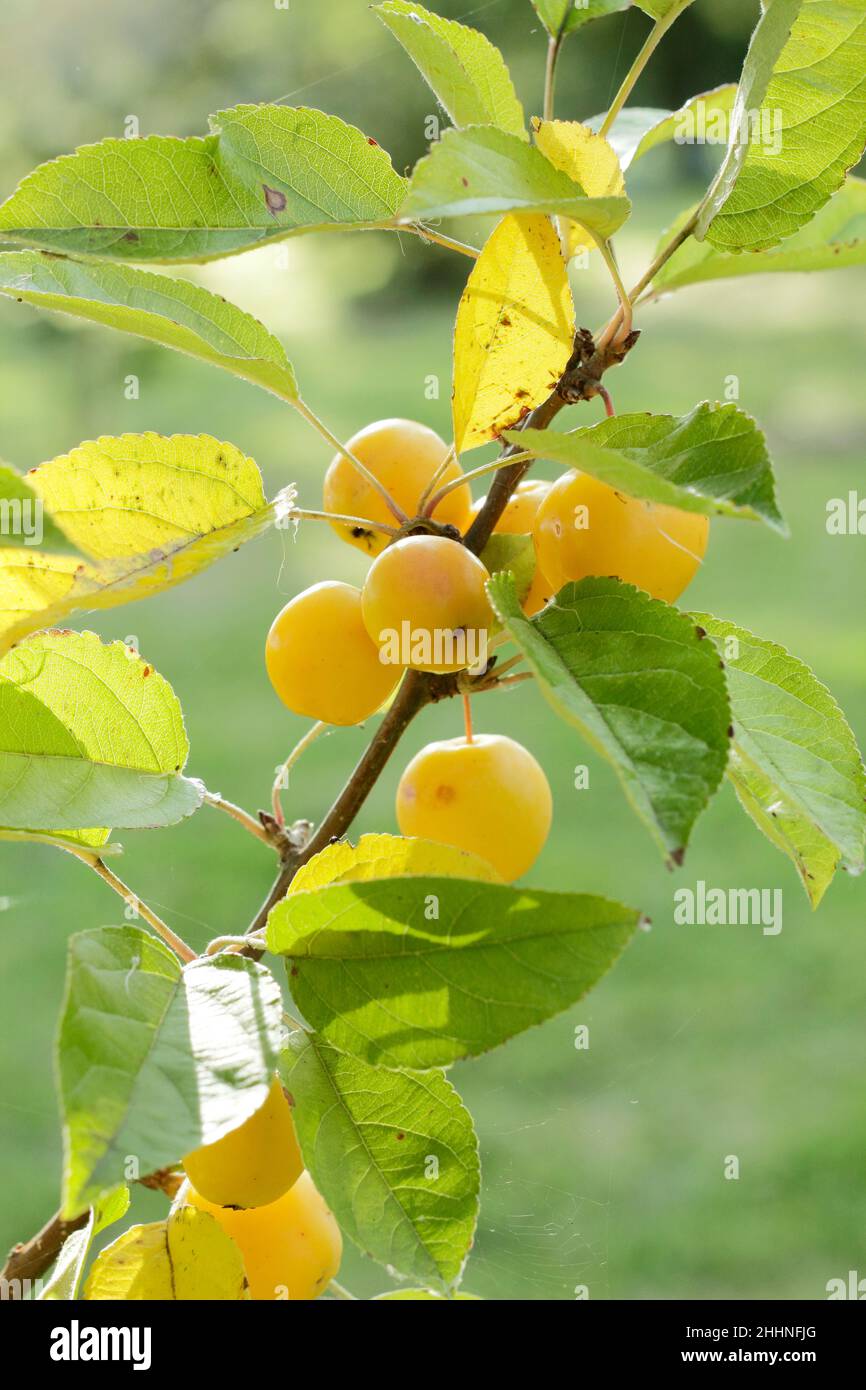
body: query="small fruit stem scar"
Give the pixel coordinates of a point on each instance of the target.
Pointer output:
(425, 495)
(237, 813)
(304, 514)
(362, 468)
(177, 944)
(282, 778)
(467, 716)
(493, 467)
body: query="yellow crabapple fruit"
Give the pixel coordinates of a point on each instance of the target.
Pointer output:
(487, 795)
(584, 527)
(425, 605)
(254, 1164)
(320, 658)
(403, 455)
(518, 519)
(291, 1249)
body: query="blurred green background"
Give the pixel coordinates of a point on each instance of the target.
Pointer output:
(601, 1167)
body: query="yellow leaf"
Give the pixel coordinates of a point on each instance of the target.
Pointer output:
(576, 150)
(187, 1257)
(30, 581)
(514, 331)
(149, 511)
(389, 856)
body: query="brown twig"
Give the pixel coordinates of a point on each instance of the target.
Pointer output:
(33, 1257)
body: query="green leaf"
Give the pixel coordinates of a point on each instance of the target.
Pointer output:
(154, 1059)
(90, 735)
(465, 70)
(401, 972)
(484, 170)
(639, 129)
(660, 9)
(516, 554)
(151, 511)
(713, 460)
(633, 675)
(394, 1155)
(264, 173)
(798, 125)
(564, 16)
(835, 238)
(65, 1279)
(389, 856)
(795, 764)
(172, 312)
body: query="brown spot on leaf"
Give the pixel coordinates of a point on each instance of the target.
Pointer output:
(371, 141)
(445, 793)
(274, 200)
(400, 1135)
(294, 971)
(505, 321)
(148, 671)
(701, 631)
(465, 182)
(131, 236)
(677, 856)
(730, 731)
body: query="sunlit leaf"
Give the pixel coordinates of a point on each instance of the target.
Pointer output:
(833, 240)
(484, 170)
(23, 520)
(188, 1257)
(465, 70)
(397, 971)
(389, 856)
(703, 119)
(798, 124)
(264, 173)
(90, 735)
(660, 9)
(584, 156)
(634, 676)
(514, 332)
(712, 461)
(155, 1059)
(564, 16)
(164, 310)
(393, 1153)
(65, 1278)
(150, 511)
(795, 763)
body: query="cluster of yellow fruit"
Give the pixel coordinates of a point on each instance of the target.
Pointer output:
(336, 653)
(254, 1183)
